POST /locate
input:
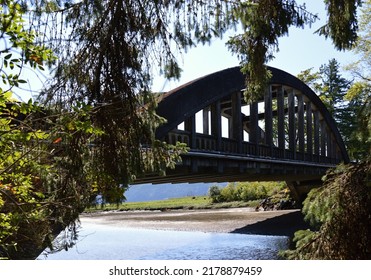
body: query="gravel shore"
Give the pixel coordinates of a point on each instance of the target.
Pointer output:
(232, 220)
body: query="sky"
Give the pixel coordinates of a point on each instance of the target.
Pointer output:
(300, 50)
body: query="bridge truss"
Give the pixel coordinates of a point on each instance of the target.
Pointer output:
(287, 135)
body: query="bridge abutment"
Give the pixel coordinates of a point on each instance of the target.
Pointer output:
(300, 189)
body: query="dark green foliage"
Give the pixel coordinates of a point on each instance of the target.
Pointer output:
(106, 66)
(342, 25)
(332, 88)
(341, 212)
(263, 22)
(214, 194)
(359, 94)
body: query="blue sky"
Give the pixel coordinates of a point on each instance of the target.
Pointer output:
(300, 50)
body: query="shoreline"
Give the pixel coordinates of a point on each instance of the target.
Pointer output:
(231, 220)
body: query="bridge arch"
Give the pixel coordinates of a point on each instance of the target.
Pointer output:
(182, 103)
(287, 135)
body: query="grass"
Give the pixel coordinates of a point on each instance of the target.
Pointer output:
(189, 202)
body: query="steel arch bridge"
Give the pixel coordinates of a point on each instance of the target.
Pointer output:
(287, 135)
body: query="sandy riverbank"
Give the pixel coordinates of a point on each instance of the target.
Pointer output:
(233, 220)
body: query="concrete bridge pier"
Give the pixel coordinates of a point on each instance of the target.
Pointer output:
(299, 190)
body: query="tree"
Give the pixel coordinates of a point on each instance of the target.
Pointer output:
(331, 87)
(334, 88)
(360, 91)
(335, 210)
(26, 218)
(100, 110)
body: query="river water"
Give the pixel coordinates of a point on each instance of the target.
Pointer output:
(105, 242)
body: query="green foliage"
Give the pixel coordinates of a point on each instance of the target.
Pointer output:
(263, 22)
(332, 89)
(245, 191)
(18, 36)
(36, 202)
(214, 193)
(342, 25)
(340, 211)
(360, 91)
(118, 63)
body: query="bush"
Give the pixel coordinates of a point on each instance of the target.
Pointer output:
(245, 191)
(252, 191)
(214, 194)
(229, 193)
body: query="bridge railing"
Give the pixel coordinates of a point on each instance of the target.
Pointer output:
(209, 143)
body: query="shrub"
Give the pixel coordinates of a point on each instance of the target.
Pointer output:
(214, 193)
(229, 193)
(245, 191)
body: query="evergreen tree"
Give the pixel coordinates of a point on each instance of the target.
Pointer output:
(359, 93)
(332, 93)
(332, 87)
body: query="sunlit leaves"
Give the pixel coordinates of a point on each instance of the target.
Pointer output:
(24, 146)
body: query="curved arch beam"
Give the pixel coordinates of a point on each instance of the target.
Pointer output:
(183, 102)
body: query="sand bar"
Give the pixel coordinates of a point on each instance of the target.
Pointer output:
(231, 220)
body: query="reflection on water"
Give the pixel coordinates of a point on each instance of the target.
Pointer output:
(101, 242)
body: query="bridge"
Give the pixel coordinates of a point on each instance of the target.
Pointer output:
(287, 135)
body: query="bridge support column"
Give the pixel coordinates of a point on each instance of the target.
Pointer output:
(268, 119)
(299, 190)
(323, 137)
(216, 123)
(236, 127)
(316, 134)
(281, 120)
(216, 130)
(190, 126)
(309, 126)
(205, 124)
(301, 124)
(292, 130)
(254, 136)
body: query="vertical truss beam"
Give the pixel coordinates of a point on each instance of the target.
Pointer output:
(281, 118)
(301, 123)
(268, 117)
(216, 123)
(237, 131)
(292, 132)
(309, 127)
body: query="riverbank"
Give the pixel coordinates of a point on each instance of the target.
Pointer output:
(232, 220)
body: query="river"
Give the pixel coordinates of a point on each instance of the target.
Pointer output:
(102, 242)
(142, 236)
